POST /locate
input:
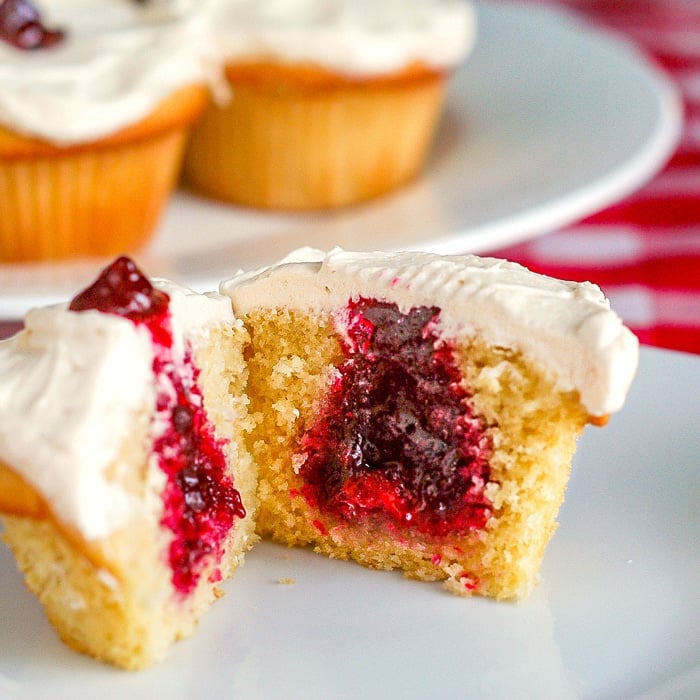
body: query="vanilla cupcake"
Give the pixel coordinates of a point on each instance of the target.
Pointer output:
(93, 122)
(420, 412)
(127, 493)
(331, 102)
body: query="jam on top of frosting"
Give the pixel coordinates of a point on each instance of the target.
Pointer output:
(397, 437)
(200, 501)
(21, 26)
(122, 289)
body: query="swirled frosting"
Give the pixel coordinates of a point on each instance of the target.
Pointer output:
(119, 61)
(116, 63)
(568, 328)
(71, 386)
(353, 37)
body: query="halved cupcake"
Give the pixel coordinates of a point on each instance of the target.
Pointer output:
(420, 412)
(126, 491)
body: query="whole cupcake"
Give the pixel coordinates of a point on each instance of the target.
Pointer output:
(95, 106)
(331, 102)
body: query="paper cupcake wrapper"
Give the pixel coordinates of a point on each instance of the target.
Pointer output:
(98, 201)
(313, 149)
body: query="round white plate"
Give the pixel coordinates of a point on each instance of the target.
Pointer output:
(547, 122)
(616, 614)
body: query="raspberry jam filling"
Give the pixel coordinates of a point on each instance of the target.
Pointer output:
(397, 436)
(200, 501)
(21, 26)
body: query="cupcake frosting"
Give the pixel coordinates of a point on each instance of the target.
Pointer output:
(116, 63)
(567, 327)
(71, 385)
(354, 37)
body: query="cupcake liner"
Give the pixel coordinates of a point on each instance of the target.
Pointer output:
(276, 147)
(87, 203)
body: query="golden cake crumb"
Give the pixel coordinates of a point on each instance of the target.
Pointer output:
(533, 427)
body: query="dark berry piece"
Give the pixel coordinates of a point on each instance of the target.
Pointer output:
(182, 419)
(122, 289)
(21, 26)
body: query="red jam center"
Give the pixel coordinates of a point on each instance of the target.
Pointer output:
(200, 501)
(397, 436)
(21, 26)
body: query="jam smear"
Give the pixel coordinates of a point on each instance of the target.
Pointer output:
(200, 501)
(21, 26)
(397, 436)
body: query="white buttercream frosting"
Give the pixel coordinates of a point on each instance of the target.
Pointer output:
(356, 37)
(71, 384)
(192, 313)
(118, 61)
(568, 328)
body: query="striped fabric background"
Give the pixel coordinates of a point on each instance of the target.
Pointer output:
(644, 251)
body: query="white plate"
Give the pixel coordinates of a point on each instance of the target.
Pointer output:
(546, 123)
(617, 614)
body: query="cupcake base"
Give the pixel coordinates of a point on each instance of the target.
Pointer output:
(299, 138)
(96, 199)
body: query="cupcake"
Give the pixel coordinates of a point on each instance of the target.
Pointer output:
(126, 491)
(420, 412)
(93, 120)
(331, 103)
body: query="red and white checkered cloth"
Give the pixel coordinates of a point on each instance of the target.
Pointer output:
(645, 251)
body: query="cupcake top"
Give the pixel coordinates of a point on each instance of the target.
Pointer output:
(72, 386)
(113, 65)
(567, 327)
(352, 37)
